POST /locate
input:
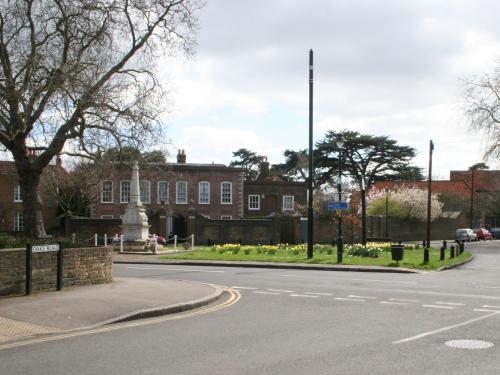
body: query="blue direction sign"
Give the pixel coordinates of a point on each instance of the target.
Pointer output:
(335, 206)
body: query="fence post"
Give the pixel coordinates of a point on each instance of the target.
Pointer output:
(95, 240)
(175, 242)
(192, 242)
(105, 239)
(73, 237)
(121, 243)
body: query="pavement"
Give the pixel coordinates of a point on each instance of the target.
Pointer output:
(84, 307)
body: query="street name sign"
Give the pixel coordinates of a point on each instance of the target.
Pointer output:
(44, 248)
(335, 206)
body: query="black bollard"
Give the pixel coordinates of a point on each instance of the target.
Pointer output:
(426, 255)
(423, 243)
(340, 250)
(445, 244)
(452, 251)
(462, 247)
(442, 253)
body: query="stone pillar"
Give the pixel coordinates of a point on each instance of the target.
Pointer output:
(135, 226)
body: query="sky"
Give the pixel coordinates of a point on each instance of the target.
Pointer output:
(392, 68)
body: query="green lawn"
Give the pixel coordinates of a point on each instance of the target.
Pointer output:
(412, 258)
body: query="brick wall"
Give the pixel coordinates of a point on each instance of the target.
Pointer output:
(246, 231)
(83, 266)
(85, 228)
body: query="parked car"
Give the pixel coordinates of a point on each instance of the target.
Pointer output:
(483, 234)
(465, 234)
(495, 232)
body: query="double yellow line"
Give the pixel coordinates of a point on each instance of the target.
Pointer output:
(234, 297)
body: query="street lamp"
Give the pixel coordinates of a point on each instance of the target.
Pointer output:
(340, 241)
(310, 213)
(429, 193)
(472, 197)
(363, 211)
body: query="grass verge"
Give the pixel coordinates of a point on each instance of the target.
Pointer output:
(412, 258)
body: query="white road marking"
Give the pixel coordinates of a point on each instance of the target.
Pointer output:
(403, 300)
(439, 307)
(289, 275)
(303, 295)
(165, 269)
(486, 310)
(281, 290)
(319, 294)
(349, 299)
(243, 287)
(376, 280)
(214, 271)
(487, 287)
(450, 303)
(394, 303)
(445, 328)
(260, 292)
(491, 307)
(354, 296)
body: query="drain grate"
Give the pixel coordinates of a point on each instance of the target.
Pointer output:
(469, 344)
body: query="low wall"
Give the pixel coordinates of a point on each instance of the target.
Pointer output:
(82, 266)
(87, 227)
(245, 231)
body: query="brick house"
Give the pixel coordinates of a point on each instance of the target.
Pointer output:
(171, 190)
(482, 185)
(11, 200)
(270, 196)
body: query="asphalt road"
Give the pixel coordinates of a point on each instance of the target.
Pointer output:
(300, 322)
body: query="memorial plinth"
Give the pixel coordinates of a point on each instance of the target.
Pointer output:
(135, 228)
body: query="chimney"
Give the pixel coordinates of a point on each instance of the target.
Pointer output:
(181, 157)
(264, 169)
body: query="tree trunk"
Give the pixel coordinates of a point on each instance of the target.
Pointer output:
(32, 203)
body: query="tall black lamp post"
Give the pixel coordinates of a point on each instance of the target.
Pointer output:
(310, 216)
(386, 215)
(340, 240)
(363, 211)
(472, 197)
(429, 193)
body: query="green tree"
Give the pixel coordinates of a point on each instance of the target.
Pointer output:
(295, 167)
(249, 161)
(79, 76)
(364, 156)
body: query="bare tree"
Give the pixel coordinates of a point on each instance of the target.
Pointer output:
(482, 97)
(77, 76)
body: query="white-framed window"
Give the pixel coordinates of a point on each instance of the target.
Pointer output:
(253, 202)
(288, 202)
(107, 217)
(226, 192)
(18, 222)
(17, 194)
(204, 192)
(145, 188)
(181, 192)
(226, 217)
(107, 191)
(162, 191)
(125, 191)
